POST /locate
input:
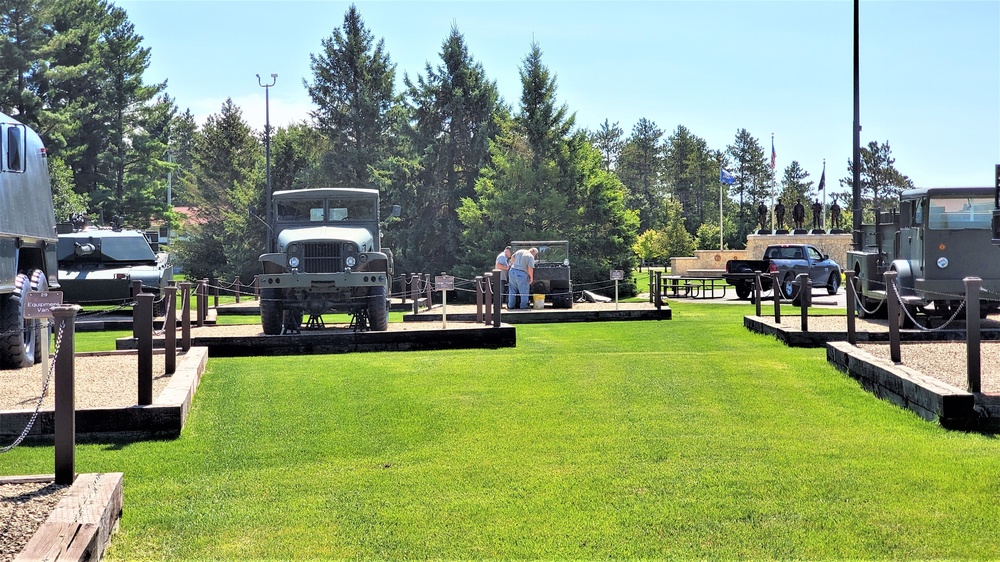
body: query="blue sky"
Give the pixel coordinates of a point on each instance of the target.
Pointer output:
(930, 70)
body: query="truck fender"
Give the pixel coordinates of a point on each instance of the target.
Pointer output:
(904, 276)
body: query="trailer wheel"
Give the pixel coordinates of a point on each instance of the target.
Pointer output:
(17, 335)
(271, 311)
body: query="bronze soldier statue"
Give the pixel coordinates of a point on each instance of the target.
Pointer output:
(798, 214)
(835, 214)
(779, 214)
(817, 214)
(762, 216)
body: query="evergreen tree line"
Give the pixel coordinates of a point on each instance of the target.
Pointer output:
(470, 171)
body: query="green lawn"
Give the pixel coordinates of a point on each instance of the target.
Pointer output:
(689, 438)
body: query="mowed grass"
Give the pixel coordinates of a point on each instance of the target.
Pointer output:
(688, 438)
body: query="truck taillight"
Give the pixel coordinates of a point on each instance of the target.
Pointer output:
(772, 268)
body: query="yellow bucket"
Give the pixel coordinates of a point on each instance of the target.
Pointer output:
(538, 300)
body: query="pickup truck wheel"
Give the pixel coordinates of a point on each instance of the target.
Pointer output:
(833, 285)
(271, 311)
(789, 289)
(378, 312)
(743, 291)
(17, 339)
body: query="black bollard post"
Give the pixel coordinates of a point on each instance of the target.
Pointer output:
(852, 295)
(776, 296)
(802, 280)
(892, 309)
(65, 408)
(170, 331)
(185, 316)
(488, 297)
(415, 291)
(214, 283)
(429, 288)
(143, 320)
(973, 366)
(239, 288)
(650, 272)
(659, 290)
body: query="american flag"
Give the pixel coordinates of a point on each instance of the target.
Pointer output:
(774, 156)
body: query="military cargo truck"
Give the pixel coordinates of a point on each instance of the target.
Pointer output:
(27, 239)
(939, 237)
(329, 258)
(552, 273)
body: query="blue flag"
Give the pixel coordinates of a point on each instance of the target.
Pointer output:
(725, 177)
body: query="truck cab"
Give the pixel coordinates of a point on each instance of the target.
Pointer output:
(329, 258)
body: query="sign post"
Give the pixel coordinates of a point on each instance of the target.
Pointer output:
(38, 304)
(616, 276)
(444, 283)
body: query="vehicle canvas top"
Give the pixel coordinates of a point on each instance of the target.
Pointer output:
(25, 192)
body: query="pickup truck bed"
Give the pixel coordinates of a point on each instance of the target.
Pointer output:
(788, 260)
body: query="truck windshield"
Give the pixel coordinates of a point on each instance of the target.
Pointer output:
(960, 213)
(352, 210)
(299, 211)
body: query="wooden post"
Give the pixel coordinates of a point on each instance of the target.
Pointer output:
(428, 287)
(973, 358)
(201, 302)
(415, 290)
(650, 272)
(170, 331)
(65, 407)
(892, 309)
(497, 295)
(136, 288)
(256, 288)
(239, 288)
(659, 290)
(802, 280)
(776, 295)
(185, 316)
(488, 297)
(480, 294)
(214, 283)
(852, 295)
(758, 291)
(142, 319)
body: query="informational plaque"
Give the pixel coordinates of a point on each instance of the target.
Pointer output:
(38, 304)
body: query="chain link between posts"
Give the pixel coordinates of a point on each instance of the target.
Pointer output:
(41, 398)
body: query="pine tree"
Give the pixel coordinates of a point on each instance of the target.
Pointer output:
(640, 168)
(21, 39)
(794, 186)
(753, 181)
(881, 182)
(608, 140)
(353, 89)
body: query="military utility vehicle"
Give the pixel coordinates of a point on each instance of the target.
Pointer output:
(552, 277)
(329, 258)
(27, 239)
(98, 266)
(939, 237)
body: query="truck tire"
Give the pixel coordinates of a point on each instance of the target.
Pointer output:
(789, 289)
(743, 291)
(271, 311)
(17, 340)
(833, 285)
(378, 312)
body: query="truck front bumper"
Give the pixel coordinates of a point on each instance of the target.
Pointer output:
(344, 280)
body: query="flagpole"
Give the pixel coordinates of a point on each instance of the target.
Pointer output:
(721, 184)
(773, 182)
(824, 196)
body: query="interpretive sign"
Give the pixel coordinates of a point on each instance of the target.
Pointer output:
(38, 304)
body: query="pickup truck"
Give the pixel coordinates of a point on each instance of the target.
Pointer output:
(788, 260)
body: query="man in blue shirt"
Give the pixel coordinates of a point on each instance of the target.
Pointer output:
(503, 264)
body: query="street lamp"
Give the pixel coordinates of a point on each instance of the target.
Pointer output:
(267, 150)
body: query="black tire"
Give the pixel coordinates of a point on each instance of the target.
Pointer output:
(271, 311)
(833, 285)
(378, 311)
(743, 291)
(789, 288)
(17, 342)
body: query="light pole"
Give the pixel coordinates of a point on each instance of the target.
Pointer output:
(267, 151)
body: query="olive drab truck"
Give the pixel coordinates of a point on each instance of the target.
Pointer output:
(27, 240)
(939, 237)
(329, 258)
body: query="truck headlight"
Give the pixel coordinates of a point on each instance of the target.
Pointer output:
(350, 261)
(293, 261)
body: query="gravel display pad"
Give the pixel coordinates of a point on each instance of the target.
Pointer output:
(102, 381)
(945, 361)
(23, 509)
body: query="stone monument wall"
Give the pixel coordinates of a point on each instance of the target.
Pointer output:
(712, 263)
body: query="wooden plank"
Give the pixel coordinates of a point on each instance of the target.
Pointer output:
(62, 542)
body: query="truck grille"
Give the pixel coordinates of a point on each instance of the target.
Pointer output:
(322, 257)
